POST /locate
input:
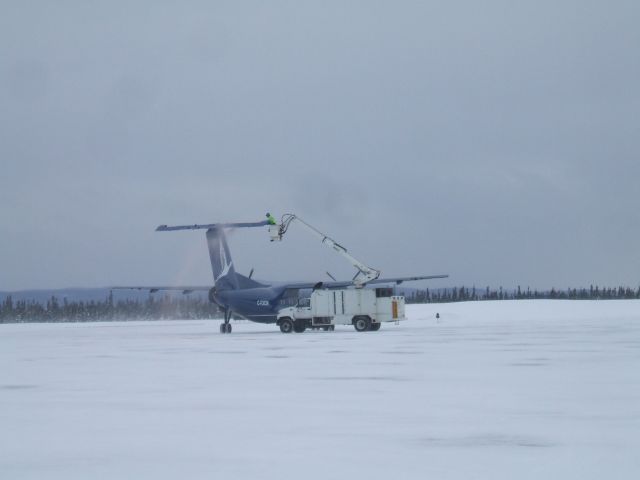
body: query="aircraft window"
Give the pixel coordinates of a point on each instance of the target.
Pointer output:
(289, 298)
(288, 301)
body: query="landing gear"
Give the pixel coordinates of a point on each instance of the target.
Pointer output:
(226, 326)
(361, 323)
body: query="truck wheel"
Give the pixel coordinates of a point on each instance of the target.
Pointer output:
(299, 327)
(361, 324)
(375, 327)
(286, 325)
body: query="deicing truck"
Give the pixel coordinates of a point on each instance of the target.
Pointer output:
(364, 308)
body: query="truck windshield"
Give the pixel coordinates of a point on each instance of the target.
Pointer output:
(304, 302)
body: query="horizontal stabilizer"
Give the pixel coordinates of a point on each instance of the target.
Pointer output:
(166, 228)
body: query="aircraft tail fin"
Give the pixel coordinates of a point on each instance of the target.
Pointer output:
(224, 273)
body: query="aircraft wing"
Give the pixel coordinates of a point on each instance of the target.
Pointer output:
(300, 285)
(399, 280)
(156, 289)
(348, 283)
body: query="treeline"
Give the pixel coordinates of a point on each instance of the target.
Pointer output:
(153, 308)
(463, 294)
(185, 307)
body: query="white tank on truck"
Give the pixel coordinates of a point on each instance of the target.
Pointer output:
(364, 308)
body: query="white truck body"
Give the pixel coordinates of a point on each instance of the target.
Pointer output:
(345, 307)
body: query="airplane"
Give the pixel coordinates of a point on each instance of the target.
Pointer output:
(259, 302)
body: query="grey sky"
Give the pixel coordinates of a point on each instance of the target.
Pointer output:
(495, 141)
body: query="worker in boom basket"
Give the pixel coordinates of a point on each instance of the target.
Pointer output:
(270, 219)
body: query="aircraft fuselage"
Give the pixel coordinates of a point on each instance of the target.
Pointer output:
(255, 304)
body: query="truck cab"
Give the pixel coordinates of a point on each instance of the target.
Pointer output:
(300, 317)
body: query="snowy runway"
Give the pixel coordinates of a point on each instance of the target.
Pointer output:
(526, 389)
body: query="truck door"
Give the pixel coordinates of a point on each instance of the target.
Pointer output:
(338, 302)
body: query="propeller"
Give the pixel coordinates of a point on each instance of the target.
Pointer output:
(212, 296)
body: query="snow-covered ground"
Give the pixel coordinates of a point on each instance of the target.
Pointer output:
(513, 390)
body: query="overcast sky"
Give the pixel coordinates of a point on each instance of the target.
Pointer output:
(494, 141)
